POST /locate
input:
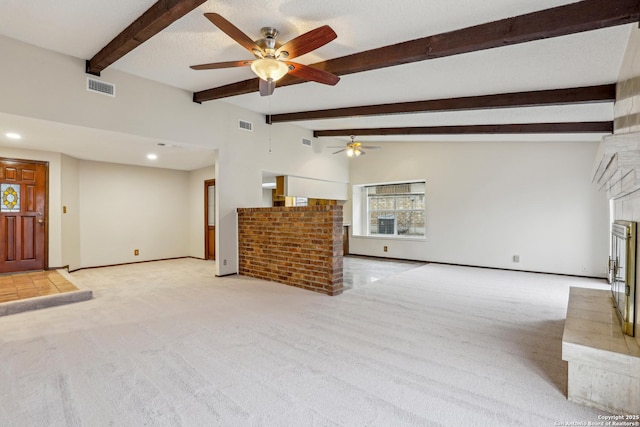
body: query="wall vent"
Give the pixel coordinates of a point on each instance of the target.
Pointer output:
(391, 189)
(103, 88)
(306, 142)
(244, 125)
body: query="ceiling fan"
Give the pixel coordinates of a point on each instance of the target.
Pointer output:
(354, 148)
(271, 61)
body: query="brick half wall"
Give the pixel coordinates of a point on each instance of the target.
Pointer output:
(297, 246)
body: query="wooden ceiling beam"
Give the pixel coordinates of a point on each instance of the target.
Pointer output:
(532, 128)
(579, 95)
(586, 15)
(158, 17)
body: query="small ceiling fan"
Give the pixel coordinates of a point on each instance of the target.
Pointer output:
(271, 61)
(354, 148)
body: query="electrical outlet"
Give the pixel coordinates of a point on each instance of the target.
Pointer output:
(136, 252)
(385, 249)
(516, 258)
(224, 262)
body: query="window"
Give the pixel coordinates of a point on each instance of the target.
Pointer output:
(10, 197)
(391, 210)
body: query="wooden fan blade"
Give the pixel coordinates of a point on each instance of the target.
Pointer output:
(307, 42)
(370, 147)
(312, 74)
(216, 65)
(232, 31)
(267, 87)
(339, 151)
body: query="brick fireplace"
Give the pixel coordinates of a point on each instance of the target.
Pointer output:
(617, 172)
(603, 362)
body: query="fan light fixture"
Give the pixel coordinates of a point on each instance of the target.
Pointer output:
(269, 63)
(269, 69)
(353, 148)
(353, 151)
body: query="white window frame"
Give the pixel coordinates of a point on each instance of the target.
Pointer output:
(361, 213)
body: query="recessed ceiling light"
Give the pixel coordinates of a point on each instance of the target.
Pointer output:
(13, 135)
(152, 156)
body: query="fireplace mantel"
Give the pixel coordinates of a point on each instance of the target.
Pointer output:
(617, 166)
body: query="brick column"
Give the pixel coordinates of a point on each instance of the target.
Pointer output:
(297, 246)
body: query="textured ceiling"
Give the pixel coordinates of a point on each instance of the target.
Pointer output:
(80, 28)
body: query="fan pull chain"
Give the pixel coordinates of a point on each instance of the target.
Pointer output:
(270, 124)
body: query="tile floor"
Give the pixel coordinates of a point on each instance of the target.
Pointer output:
(360, 270)
(20, 286)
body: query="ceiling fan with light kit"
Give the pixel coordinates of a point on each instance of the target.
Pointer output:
(272, 59)
(355, 149)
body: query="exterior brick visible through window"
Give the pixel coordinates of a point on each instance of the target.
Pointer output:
(396, 209)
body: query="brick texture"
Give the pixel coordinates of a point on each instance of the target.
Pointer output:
(297, 246)
(626, 119)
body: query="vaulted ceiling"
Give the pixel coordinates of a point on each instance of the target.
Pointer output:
(448, 63)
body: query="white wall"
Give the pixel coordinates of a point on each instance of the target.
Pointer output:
(70, 199)
(267, 198)
(129, 207)
(488, 201)
(103, 240)
(103, 232)
(316, 189)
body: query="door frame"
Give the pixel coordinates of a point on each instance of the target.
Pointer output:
(207, 184)
(46, 202)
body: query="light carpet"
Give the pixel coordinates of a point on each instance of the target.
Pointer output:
(168, 344)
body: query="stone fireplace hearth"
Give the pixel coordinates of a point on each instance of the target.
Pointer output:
(603, 363)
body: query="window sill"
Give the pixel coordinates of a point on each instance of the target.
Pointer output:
(390, 237)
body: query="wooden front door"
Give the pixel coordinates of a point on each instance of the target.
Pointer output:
(209, 219)
(23, 214)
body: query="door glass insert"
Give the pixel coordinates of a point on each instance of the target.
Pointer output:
(10, 198)
(211, 209)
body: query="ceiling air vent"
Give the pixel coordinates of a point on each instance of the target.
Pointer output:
(306, 142)
(244, 125)
(97, 86)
